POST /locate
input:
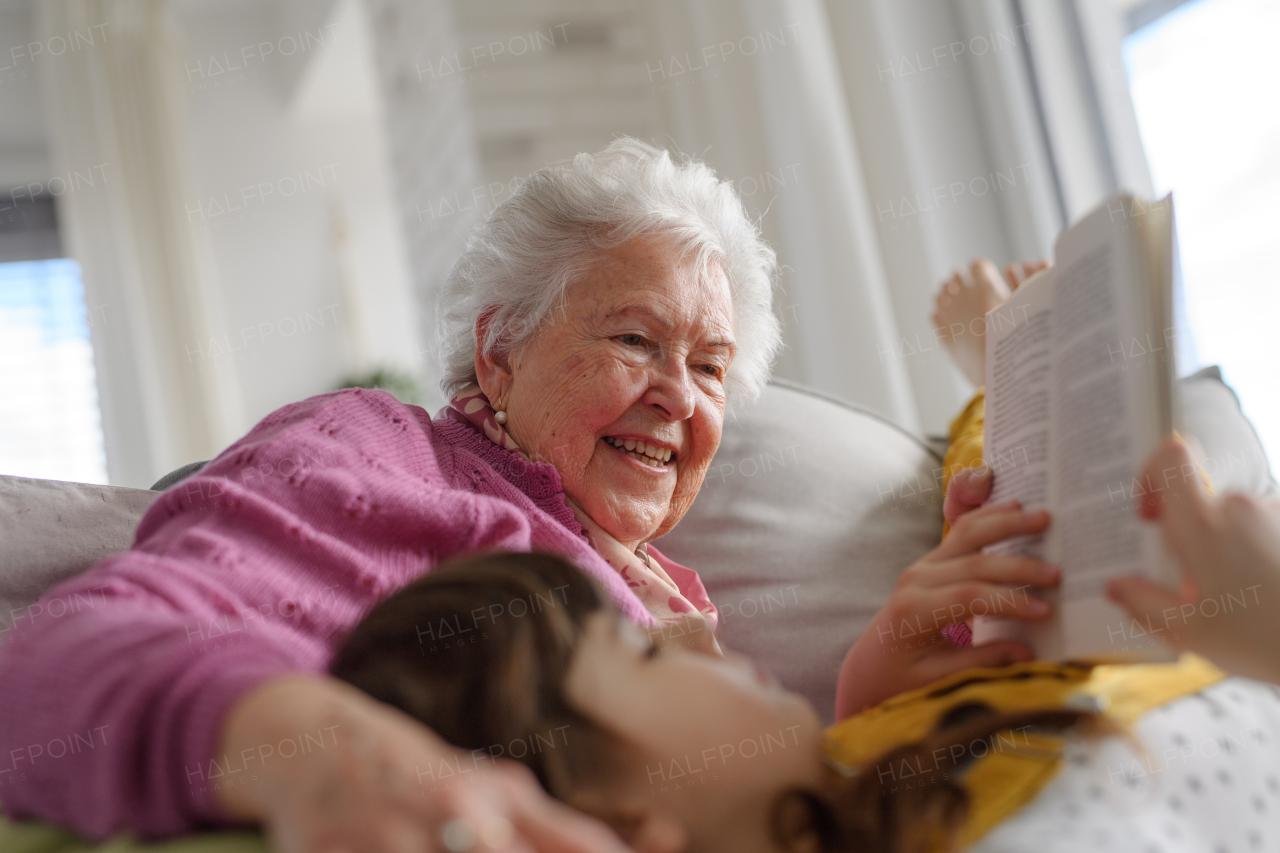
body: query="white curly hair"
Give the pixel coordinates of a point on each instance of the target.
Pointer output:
(521, 260)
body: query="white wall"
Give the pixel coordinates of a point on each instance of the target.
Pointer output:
(287, 161)
(24, 142)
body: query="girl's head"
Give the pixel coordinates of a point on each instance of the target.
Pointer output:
(522, 656)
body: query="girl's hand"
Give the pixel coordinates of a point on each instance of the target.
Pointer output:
(967, 491)
(383, 782)
(903, 648)
(1229, 549)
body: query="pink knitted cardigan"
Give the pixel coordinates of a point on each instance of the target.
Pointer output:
(254, 567)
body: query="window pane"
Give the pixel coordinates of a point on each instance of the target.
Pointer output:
(50, 425)
(1204, 87)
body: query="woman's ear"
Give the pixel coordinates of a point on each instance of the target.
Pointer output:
(493, 370)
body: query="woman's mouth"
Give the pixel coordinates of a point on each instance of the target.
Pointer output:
(641, 451)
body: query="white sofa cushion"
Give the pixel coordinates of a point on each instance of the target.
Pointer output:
(810, 510)
(812, 507)
(51, 530)
(1225, 441)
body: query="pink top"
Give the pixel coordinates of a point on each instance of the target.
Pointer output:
(647, 577)
(110, 712)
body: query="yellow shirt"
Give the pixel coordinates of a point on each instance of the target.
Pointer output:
(1012, 766)
(1018, 763)
(964, 443)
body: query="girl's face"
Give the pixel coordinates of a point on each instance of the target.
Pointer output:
(718, 738)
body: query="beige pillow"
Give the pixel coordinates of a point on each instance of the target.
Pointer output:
(810, 510)
(51, 530)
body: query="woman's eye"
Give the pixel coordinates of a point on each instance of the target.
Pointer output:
(651, 652)
(710, 369)
(631, 340)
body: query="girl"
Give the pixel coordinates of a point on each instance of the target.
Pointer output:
(521, 657)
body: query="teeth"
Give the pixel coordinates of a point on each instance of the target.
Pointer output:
(648, 453)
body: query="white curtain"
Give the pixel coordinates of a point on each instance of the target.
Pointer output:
(769, 112)
(911, 131)
(882, 143)
(118, 102)
(434, 152)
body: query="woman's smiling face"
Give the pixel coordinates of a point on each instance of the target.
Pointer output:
(639, 354)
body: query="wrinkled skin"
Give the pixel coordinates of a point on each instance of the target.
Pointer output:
(640, 351)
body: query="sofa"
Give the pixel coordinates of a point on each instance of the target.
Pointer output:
(810, 509)
(808, 512)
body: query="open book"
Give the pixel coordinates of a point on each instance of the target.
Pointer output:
(1079, 392)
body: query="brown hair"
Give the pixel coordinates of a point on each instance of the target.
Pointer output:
(860, 812)
(478, 650)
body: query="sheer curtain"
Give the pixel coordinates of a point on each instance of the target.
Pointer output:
(769, 111)
(433, 150)
(881, 144)
(118, 103)
(918, 142)
(784, 99)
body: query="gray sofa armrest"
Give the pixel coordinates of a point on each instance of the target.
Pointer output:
(1225, 440)
(177, 475)
(53, 530)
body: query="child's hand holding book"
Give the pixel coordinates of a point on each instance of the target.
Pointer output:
(904, 647)
(1228, 548)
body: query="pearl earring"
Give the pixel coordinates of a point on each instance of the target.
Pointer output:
(500, 416)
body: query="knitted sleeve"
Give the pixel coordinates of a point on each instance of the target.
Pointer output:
(113, 688)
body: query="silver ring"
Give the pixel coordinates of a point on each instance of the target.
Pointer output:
(459, 835)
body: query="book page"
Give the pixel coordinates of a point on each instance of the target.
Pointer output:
(1016, 426)
(1110, 411)
(1080, 394)
(1019, 336)
(1160, 257)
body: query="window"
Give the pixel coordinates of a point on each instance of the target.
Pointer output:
(1203, 84)
(50, 425)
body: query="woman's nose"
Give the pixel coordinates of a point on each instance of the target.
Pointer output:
(671, 390)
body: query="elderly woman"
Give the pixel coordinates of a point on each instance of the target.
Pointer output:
(595, 332)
